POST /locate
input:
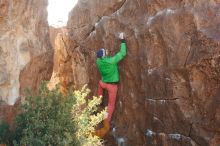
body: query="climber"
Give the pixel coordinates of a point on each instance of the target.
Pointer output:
(108, 68)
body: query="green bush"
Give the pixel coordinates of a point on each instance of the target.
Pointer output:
(46, 119)
(54, 119)
(85, 120)
(5, 134)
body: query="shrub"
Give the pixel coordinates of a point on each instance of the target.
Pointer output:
(54, 119)
(5, 134)
(85, 120)
(46, 119)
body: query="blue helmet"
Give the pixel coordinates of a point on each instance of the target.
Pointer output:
(101, 53)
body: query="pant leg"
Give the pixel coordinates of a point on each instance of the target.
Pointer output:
(100, 89)
(112, 93)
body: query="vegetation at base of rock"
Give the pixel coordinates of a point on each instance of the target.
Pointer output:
(85, 120)
(52, 118)
(5, 133)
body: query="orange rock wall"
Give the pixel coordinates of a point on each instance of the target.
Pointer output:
(24, 41)
(169, 89)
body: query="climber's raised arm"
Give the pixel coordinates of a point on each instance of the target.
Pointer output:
(123, 50)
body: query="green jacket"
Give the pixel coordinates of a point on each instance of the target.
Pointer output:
(108, 67)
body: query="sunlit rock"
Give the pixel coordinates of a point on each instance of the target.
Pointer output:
(23, 38)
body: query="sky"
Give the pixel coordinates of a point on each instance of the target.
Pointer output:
(58, 11)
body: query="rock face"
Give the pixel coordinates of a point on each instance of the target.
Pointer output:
(9, 112)
(24, 41)
(53, 33)
(169, 90)
(62, 69)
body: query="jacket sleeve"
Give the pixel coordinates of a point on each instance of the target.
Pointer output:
(121, 54)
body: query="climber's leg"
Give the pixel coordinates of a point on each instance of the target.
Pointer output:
(100, 89)
(112, 93)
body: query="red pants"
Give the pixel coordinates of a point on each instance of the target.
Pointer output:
(112, 93)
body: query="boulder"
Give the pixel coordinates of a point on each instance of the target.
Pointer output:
(169, 87)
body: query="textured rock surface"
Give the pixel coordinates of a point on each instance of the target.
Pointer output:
(53, 33)
(169, 89)
(24, 40)
(9, 112)
(62, 69)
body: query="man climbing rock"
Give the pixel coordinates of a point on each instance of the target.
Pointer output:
(108, 68)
